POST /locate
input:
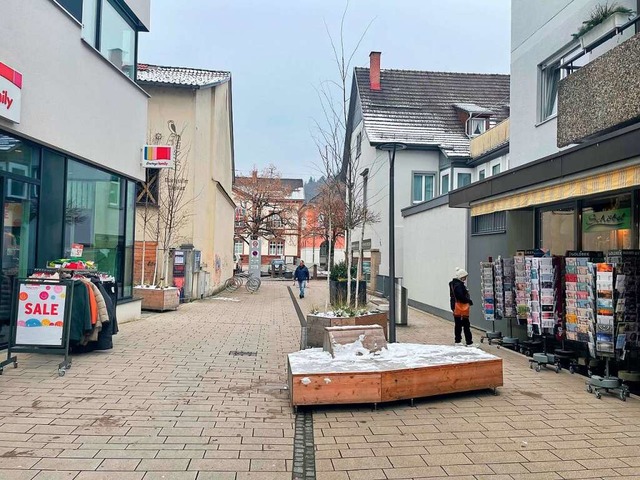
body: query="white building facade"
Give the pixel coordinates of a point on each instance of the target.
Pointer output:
(71, 151)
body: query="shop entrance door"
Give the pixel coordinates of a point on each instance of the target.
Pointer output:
(19, 227)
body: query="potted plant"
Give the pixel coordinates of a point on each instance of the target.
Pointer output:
(341, 316)
(338, 286)
(602, 21)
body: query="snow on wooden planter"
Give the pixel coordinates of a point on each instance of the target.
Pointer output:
(317, 323)
(402, 371)
(158, 299)
(371, 336)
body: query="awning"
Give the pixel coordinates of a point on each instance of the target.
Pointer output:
(598, 183)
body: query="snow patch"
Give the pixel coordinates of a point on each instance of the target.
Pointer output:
(327, 380)
(225, 299)
(305, 381)
(354, 357)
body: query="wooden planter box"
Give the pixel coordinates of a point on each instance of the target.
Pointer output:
(158, 299)
(316, 325)
(335, 388)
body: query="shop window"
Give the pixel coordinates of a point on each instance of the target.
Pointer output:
(19, 157)
(238, 247)
(444, 188)
(18, 246)
(92, 221)
(495, 222)
(464, 179)
(606, 224)
(495, 170)
(423, 187)
(108, 29)
(276, 247)
(129, 239)
(557, 230)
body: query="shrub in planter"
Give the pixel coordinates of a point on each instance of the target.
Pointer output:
(338, 286)
(340, 316)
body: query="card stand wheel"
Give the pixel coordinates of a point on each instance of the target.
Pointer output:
(538, 368)
(61, 372)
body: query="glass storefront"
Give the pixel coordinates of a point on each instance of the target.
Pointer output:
(44, 212)
(606, 224)
(592, 224)
(557, 230)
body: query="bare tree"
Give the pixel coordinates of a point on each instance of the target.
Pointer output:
(268, 210)
(338, 162)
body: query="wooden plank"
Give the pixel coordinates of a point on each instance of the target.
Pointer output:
(335, 388)
(441, 379)
(374, 319)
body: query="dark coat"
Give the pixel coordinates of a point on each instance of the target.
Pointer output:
(458, 292)
(301, 274)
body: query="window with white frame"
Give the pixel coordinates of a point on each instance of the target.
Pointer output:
(275, 221)
(358, 144)
(444, 187)
(238, 246)
(482, 174)
(464, 179)
(495, 170)
(276, 247)
(477, 126)
(550, 75)
(423, 187)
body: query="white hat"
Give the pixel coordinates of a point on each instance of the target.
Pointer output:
(461, 273)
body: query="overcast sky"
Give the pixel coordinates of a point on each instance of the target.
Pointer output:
(278, 53)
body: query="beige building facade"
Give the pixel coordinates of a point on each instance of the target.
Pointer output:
(194, 107)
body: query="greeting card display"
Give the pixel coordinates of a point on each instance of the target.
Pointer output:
(488, 295)
(605, 309)
(580, 299)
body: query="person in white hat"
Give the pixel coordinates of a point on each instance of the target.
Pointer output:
(460, 304)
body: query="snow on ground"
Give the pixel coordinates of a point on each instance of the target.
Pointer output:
(354, 357)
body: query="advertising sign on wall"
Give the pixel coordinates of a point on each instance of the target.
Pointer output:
(157, 156)
(40, 319)
(10, 93)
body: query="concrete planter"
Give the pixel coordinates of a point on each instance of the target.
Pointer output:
(608, 25)
(158, 299)
(316, 325)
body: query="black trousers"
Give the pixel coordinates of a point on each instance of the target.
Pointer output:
(460, 324)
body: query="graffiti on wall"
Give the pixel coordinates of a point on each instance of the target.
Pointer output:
(217, 270)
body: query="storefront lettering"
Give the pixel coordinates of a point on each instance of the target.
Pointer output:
(5, 99)
(608, 220)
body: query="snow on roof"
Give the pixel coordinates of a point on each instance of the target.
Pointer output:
(419, 107)
(194, 77)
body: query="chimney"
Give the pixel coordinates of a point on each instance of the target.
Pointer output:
(374, 70)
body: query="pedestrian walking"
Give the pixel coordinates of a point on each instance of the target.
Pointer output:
(460, 303)
(301, 275)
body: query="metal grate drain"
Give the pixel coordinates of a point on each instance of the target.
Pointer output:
(237, 353)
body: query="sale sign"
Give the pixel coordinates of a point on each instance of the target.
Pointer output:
(40, 318)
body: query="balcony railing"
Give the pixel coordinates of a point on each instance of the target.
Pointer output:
(490, 140)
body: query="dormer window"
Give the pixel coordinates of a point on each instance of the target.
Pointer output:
(477, 126)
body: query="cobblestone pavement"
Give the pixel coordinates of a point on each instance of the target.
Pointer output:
(170, 402)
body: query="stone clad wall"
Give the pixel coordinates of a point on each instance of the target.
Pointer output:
(600, 96)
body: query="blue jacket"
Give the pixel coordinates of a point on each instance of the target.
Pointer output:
(301, 273)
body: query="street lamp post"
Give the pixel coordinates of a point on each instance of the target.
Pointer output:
(391, 148)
